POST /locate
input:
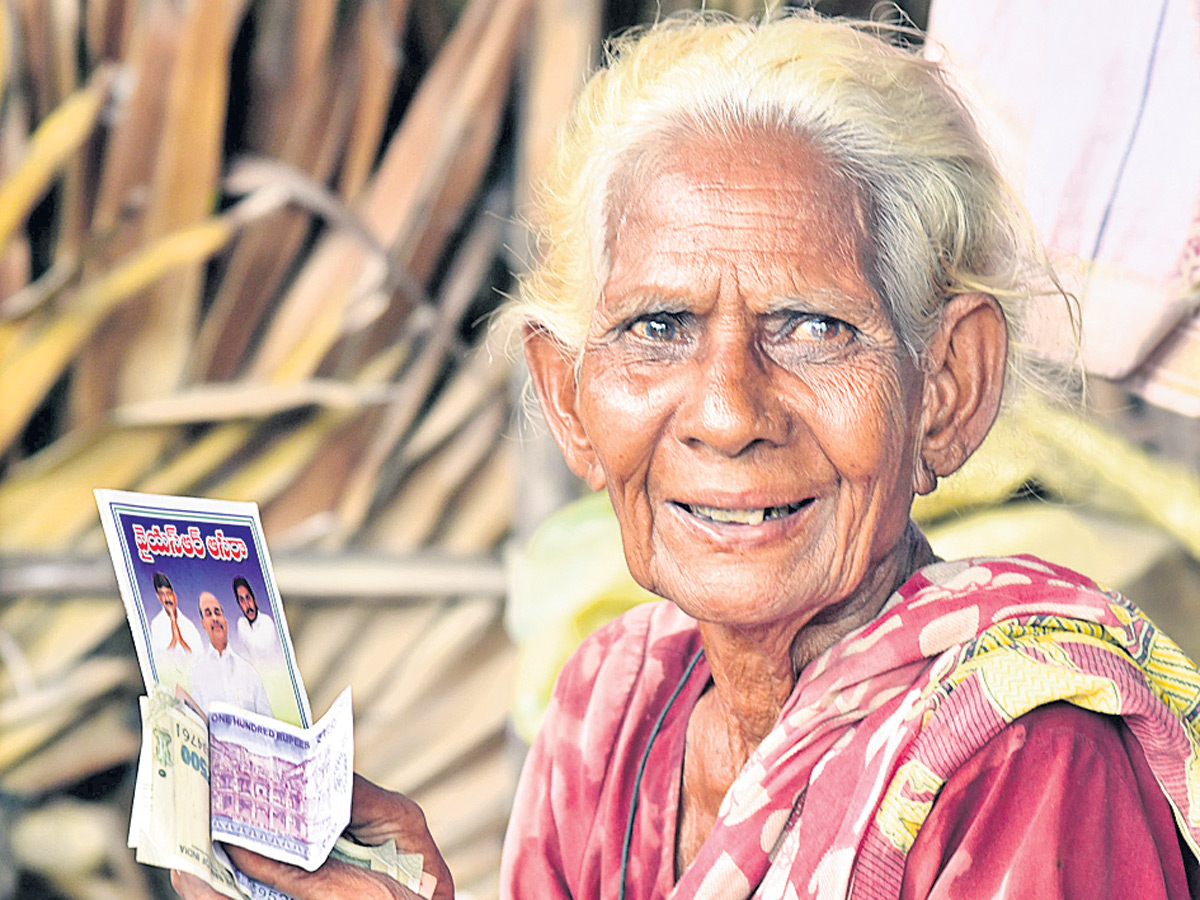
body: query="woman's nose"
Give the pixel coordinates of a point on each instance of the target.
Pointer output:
(733, 406)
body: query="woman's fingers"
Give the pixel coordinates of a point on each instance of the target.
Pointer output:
(332, 881)
(376, 811)
(190, 887)
(378, 814)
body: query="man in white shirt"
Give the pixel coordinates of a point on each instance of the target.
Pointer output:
(174, 641)
(255, 629)
(220, 674)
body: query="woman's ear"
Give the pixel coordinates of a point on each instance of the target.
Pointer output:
(553, 374)
(964, 382)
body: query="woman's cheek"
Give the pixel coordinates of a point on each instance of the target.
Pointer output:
(866, 421)
(630, 397)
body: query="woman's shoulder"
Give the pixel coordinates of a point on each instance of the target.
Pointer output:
(994, 572)
(990, 589)
(950, 603)
(640, 650)
(1035, 806)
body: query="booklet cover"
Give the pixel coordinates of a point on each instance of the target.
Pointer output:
(200, 594)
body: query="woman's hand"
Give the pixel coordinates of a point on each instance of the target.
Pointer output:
(376, 815)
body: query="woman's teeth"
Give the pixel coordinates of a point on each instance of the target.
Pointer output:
(744, 516)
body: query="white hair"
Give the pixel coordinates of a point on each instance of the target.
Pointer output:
(940, 217)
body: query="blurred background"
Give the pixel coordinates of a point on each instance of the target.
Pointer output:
(248, 250)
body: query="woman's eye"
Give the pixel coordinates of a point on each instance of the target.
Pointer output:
(808, 327)
(656, 327)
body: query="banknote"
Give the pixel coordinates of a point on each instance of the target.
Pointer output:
(172, 823)
(405, 868)
(169, 826)
(280, 790)
(287, 790)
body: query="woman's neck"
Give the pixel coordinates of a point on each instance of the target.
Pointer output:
(755, 668)
(754, 671)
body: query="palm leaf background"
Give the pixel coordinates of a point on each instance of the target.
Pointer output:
(246, 249)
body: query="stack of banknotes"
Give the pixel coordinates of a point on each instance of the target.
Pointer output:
(277, 789)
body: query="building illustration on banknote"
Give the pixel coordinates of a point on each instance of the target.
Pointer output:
(265, 792)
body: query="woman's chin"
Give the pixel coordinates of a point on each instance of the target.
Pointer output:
(743, 597)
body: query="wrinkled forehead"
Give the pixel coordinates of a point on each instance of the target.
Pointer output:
(791, 160)
(685, 172)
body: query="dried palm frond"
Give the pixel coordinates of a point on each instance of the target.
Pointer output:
(244, 249)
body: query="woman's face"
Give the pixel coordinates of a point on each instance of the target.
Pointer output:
(747, 400)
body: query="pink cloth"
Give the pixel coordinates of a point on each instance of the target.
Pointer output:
(1061, 803)
(890, 712)
(1093, 111)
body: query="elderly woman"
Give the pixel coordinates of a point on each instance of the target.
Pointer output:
(778, 281)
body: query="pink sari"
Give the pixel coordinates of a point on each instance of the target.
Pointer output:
(832, 800)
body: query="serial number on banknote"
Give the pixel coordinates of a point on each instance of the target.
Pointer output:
(193, 750)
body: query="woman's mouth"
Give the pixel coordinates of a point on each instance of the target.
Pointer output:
(754, 516)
